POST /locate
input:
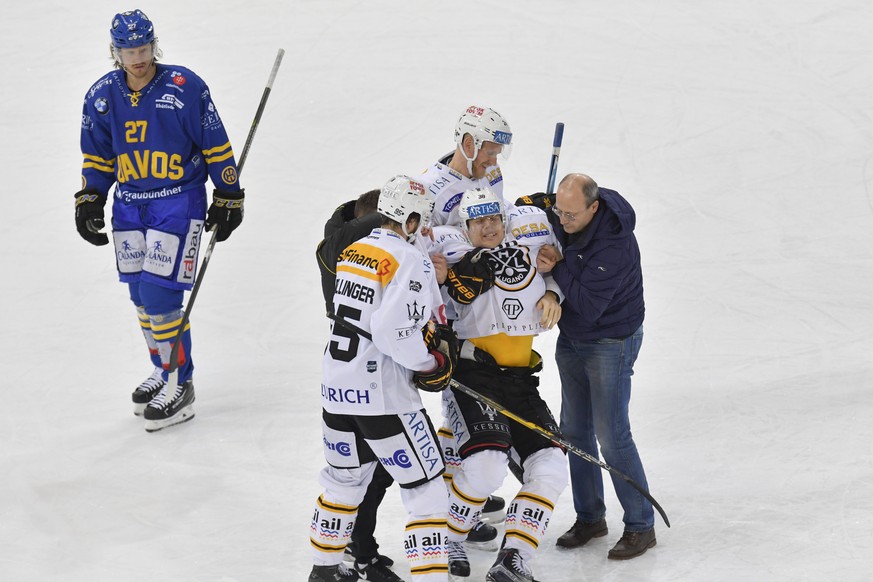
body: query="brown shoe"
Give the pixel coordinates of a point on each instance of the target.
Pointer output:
(582, 532)
(633, 544)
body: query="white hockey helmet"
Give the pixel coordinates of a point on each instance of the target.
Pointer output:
(401, 197)
(483, 124)
(480, 202)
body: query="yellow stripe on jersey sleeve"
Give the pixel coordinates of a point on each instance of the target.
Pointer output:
(98, 163)
(221, 158)
(218, 153)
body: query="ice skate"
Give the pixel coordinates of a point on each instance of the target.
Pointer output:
(160, 414)
(146, 391)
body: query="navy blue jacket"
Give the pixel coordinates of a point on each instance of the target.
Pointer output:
(601, 276)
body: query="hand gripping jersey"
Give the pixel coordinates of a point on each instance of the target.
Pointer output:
(448, 186)
(385, 286)
(157, 142)
(509, 307)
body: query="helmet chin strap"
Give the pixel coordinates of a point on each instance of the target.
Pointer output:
(410, 236)
(470, 160)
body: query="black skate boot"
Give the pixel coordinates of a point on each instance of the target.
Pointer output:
(146, 391)
(509, 567)
(339, 573)
(492, 511)
(482, 537)
(459, 565)
(351, 555)
(160, 414)
(376, 571)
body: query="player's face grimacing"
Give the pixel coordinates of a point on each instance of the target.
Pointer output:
(487, 231)
(486, 158)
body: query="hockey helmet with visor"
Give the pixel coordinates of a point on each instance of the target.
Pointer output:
(131, 31)
(483, 124)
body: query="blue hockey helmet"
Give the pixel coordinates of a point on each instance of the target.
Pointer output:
(131, 29)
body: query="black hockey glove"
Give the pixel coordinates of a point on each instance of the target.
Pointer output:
(225, 212)
(470, 352)
(89, 216)
(540, 200)
(470, 277)
(442, 343)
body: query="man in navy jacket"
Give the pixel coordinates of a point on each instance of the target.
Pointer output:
(599, 273)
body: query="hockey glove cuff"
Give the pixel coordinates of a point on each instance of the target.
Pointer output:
(470, 277)
(437, 379)
(225, 213)
(89, 216)
(442, 343)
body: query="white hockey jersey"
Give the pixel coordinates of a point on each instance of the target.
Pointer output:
(387, 287)
(447, 187)
(509, 307)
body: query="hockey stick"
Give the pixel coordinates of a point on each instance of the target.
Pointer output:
(556, 151)
(173, 370)
(560, 441)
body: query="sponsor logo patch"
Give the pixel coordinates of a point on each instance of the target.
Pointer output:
(188, 267)
(161, 251)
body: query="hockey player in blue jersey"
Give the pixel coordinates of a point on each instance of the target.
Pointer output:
(151, 136)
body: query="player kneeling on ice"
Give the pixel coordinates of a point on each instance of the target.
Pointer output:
(382, 350)
(501, 302)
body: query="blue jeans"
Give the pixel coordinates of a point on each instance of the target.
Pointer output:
(595, 392)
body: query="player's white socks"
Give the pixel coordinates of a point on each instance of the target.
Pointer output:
(450, 453)
(424, 544)
(528, 515)
(330, 531)
(480, 475)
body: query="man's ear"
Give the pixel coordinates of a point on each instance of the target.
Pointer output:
(468, 145)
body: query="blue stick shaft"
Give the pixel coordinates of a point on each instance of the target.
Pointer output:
(556, 151)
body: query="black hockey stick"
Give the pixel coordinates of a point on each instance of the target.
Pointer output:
(556, 151)
(560, 441)
(173, 370)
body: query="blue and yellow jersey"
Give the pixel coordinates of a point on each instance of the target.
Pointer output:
(156, 142)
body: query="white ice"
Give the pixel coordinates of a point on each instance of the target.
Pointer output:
(740, 131)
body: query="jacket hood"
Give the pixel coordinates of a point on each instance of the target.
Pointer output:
(623, 219)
